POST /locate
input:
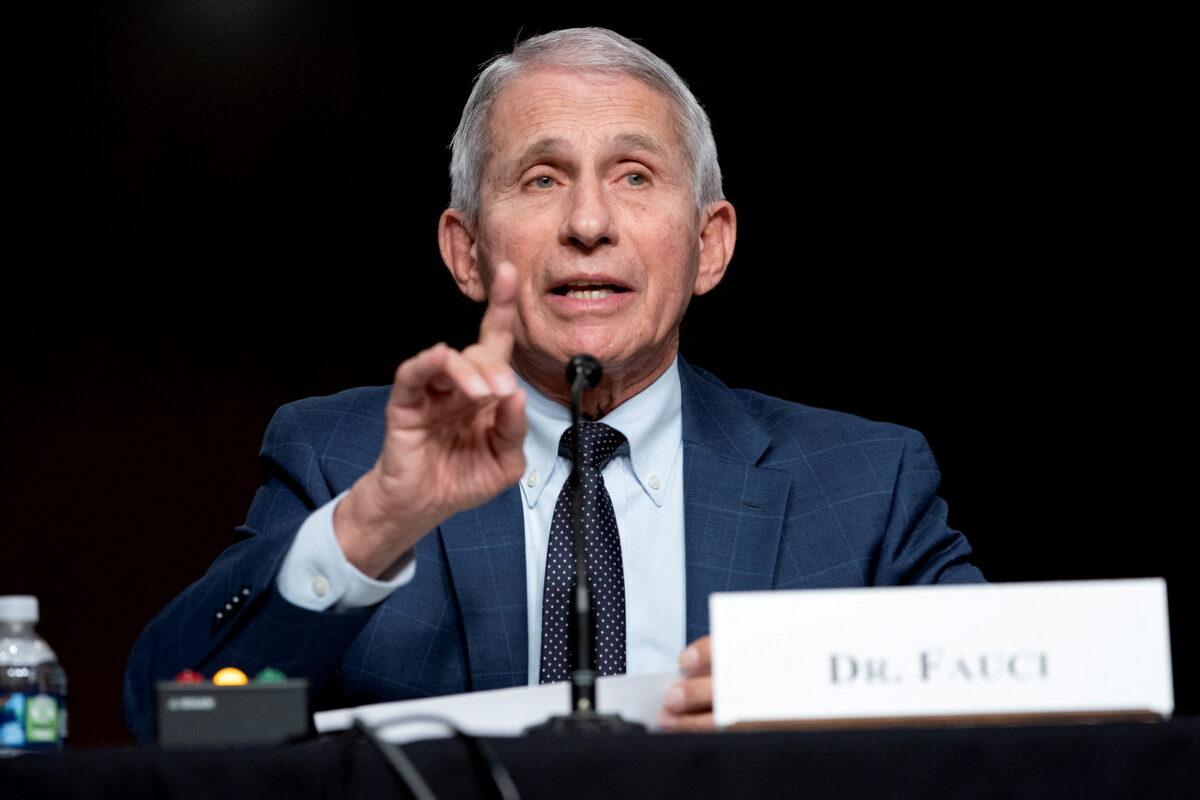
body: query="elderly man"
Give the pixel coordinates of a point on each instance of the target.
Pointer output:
(413, 541)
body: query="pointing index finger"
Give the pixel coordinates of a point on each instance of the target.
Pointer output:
(496, 329)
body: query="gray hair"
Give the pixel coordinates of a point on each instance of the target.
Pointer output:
(589, 50)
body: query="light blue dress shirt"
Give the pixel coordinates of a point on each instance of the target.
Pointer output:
(645, 482)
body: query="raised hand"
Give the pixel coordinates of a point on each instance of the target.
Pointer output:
(455, 429)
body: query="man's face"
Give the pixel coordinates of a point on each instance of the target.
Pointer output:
(588, 194)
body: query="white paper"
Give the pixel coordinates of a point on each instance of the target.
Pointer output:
(1020, 648)
(505, 712)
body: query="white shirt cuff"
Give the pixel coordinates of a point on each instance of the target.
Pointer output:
(316, 575)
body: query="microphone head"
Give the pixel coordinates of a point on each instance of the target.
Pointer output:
(586, 366)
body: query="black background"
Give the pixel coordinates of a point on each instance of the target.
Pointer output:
(957, 224)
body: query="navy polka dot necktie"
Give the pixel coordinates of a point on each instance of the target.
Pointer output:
(602, 549)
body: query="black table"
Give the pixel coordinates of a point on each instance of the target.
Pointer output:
(1152, 760)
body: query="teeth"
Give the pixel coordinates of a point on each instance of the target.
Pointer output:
(588, 294)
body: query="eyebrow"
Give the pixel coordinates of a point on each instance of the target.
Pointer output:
(553, 146)
(539, 151)
(640, 141)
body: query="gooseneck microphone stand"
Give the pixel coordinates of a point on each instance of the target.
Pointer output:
(583, 372)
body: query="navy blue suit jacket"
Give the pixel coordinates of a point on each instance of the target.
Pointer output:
(777, 496)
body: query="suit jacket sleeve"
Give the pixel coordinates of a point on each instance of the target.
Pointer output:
(234, 615)
(919, 547)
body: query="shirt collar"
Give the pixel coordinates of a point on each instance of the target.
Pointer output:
(651, 421)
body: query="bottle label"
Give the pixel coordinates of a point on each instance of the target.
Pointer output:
(32, 721)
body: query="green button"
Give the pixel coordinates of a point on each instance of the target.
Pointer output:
(270, 675)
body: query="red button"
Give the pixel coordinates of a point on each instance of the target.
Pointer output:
(190, 676)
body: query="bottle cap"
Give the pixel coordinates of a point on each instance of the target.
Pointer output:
(18, 608)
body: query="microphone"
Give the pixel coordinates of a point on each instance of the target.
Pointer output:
(583, 372)
(587, 370)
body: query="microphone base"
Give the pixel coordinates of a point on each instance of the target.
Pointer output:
(585, 722)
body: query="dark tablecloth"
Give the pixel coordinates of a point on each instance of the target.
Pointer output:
(1153, 760)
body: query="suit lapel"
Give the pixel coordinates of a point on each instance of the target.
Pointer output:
(485, 548)
(733, 517)
(733, 509)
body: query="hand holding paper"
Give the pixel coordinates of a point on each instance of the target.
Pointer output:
(688, 705)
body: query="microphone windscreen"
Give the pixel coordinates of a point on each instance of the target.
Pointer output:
(587, 366)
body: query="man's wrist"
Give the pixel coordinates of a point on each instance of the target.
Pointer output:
(373, 537)
(315, 574)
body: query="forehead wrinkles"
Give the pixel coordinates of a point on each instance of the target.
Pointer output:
(532, 107)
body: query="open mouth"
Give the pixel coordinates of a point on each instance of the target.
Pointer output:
(587, 290)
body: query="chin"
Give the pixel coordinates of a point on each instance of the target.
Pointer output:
(612, 351)
(606, 351)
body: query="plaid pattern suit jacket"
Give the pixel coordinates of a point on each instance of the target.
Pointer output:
(777, 496)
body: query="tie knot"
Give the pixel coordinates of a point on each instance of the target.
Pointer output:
(598, 443)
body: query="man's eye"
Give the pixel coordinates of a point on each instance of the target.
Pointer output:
(542, 182)
(636, 179)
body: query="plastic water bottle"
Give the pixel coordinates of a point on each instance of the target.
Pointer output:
(33, 686)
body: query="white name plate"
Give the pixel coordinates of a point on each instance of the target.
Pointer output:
(999, 650)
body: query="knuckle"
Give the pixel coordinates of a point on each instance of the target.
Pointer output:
(455, 363)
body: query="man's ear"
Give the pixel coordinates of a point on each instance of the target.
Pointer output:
(718, 232)
(460, 251)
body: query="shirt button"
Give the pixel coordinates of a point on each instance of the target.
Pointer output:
(654, 482)
(531, 481)
(320, 586)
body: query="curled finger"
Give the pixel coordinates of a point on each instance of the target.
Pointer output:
(414, 376)
(689, 696)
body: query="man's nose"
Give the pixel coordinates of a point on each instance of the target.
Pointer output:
(589, 222)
